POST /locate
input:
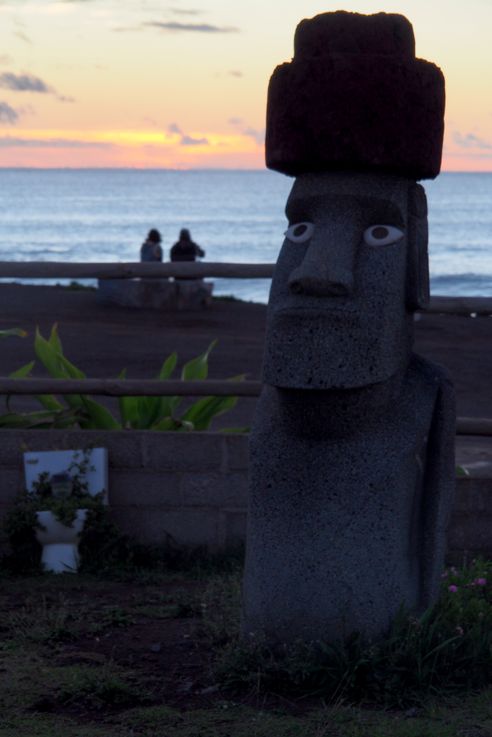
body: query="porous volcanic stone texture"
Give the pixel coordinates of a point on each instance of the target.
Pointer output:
(350, 496)
(355, 97)
(318, 338)
(352, 449)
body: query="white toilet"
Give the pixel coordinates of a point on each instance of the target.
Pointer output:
(60, 542)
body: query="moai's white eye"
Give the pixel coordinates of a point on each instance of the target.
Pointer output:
(299, 232)
(382, 235)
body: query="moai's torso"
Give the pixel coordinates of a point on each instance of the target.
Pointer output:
(341, 513)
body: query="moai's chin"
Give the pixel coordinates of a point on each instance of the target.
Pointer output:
(333, 349)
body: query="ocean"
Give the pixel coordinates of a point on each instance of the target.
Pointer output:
(235, 216)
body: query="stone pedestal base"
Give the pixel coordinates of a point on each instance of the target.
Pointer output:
(155, 293)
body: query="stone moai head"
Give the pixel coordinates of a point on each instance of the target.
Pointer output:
(357, 119)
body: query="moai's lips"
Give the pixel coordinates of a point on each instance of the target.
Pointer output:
(331, 317)
(308, 304)
(328, 309)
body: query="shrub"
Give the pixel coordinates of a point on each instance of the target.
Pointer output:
(136, 413)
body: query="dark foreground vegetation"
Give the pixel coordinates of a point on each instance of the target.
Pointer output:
(149, 647)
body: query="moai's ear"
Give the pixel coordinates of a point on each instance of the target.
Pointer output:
(417, 287)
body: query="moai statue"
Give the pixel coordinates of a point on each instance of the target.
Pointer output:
(352, 467)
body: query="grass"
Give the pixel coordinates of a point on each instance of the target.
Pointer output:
(471, 718)
(87, 656)
(447, 650)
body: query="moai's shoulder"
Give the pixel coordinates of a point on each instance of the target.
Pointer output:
(435, 386)
(431, 373)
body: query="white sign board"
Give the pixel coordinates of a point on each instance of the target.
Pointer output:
(60, 461)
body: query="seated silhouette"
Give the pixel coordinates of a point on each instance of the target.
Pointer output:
(186, 250)
(151, 248)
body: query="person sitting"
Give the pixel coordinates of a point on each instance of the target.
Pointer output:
(185, 249)
(151, 249)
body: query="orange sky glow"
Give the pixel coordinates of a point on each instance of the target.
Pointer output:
(105, 83)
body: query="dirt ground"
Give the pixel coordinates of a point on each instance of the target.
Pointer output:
(92, 651)
(135, 656)
(103, 340)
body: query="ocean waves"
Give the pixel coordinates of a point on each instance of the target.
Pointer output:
(237, 216)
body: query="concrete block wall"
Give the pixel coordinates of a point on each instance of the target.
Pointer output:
(470, 530)
(155, 293)
(191, 488)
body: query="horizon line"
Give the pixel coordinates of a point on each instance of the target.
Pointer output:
(192, 169)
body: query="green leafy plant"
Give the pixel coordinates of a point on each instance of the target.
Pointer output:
(137, 413)
(13, 331)
(21, 521)
(43, 497)
(64, 510)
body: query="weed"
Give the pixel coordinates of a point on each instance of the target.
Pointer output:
(446, 650)
(104, 685)
(46, 725)
(227, 719)
(112, 616)
(221, 609)
(41, 621)
(181, 605)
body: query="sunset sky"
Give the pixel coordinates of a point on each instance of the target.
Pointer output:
(182, 84)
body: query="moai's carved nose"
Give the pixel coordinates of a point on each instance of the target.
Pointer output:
(325, 271)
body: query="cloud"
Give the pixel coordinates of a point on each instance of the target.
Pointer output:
(4, 59)
(190, 27)
(184, 11)
(24, 83)
(186, 140)
(469, 155)
(8, 114)
(151, 121)
(258, 136)
(190, 141)
(470, 140)
(30, 83)
(235, 73)
(11, 142)
(23, 36)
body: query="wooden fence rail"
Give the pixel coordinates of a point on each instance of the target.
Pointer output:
(130, 387)
(460, 305)
(130, 270)
(65, 270)
(154, 388)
